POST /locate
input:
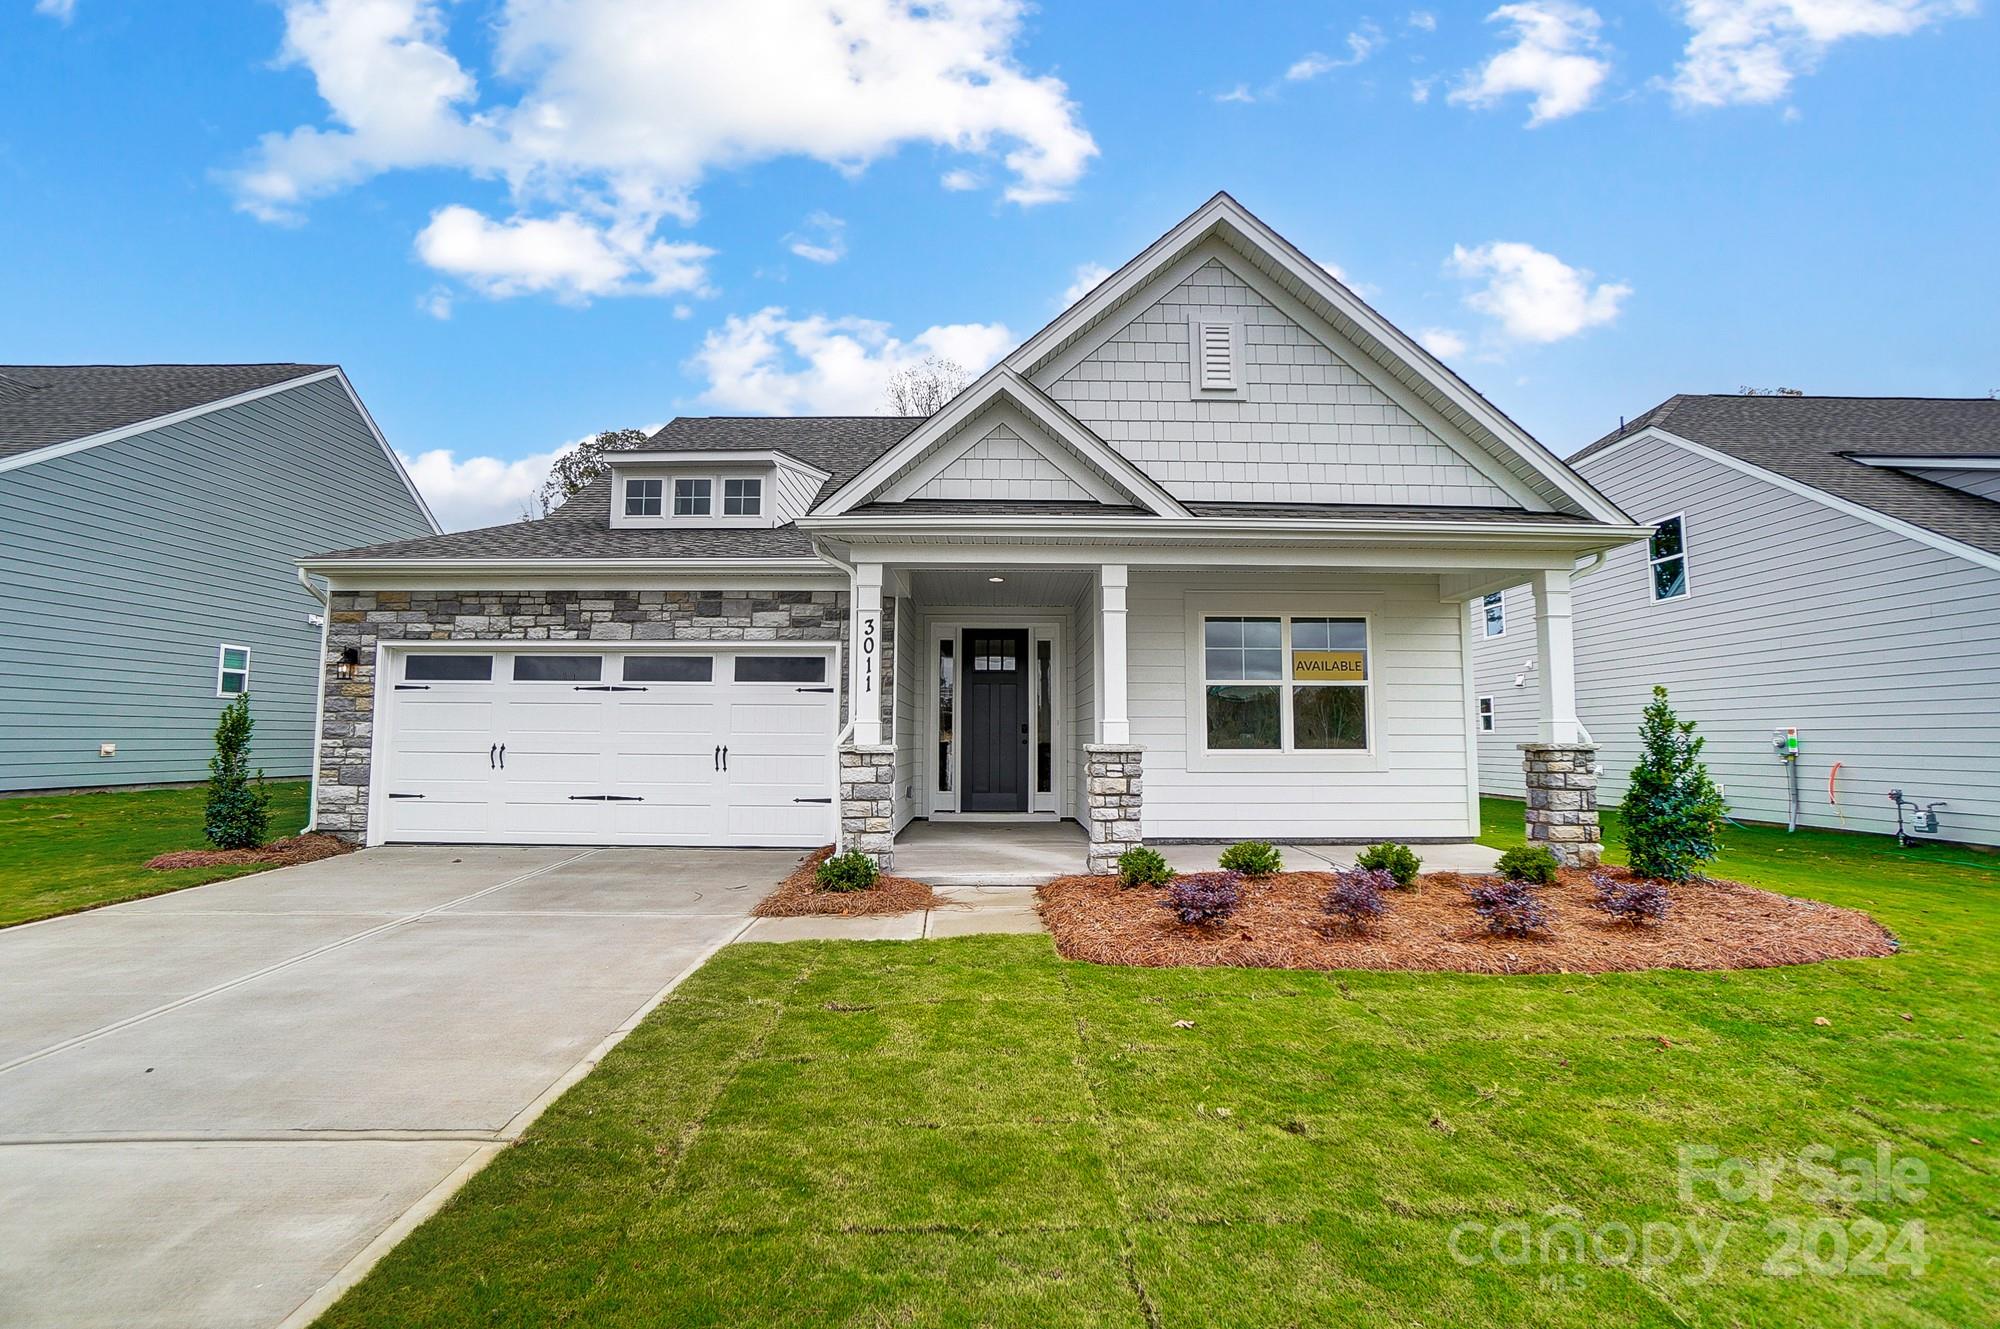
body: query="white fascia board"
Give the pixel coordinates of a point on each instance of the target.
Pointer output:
(998, 382)
(1158, 530)
(337, 568)
(1926, 462)
(712, 458)
(54, 450)
(1223, 214)
(1908, 530)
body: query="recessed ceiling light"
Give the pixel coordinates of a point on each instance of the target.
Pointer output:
(996, 580)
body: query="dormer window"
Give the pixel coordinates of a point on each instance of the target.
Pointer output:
(742, 498)
(691, 498)
(643, 497)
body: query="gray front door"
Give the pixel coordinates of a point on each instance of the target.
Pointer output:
(993, 769)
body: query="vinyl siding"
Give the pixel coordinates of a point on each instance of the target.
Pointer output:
(1308, 426)
(1416, 786)
(1986, 484)
(903, 731)
(795, 492)
(124, 566)
(1883, 652)
(1083, 691)
(1003, 465)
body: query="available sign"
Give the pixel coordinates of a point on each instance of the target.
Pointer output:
(1330, 666)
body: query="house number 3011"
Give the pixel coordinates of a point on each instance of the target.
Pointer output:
(868, 625)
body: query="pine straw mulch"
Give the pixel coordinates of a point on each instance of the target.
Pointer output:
(1431, 926)
(277, 854)
(800, 894)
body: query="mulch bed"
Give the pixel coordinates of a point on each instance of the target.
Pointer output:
(279, 853)
(800, 894)
(1431, 926)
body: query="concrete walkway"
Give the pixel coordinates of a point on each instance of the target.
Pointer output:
(966, 910)
(213, 1103)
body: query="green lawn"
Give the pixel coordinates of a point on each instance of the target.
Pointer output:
(64, 852)
(974, 1132)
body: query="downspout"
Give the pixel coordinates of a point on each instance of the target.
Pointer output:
(1577, 574)
(319, 696)
(819, 548)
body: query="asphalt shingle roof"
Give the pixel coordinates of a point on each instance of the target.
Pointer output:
(1813, 441)
(41, 405)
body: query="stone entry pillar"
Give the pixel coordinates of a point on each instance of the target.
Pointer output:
(1112, 781)
(1562, 801)
(868, 801)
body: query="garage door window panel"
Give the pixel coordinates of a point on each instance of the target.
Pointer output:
(669, 669)
(449, 669)
(781, 669)
(558, 668)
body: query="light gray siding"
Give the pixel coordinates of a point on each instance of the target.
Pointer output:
(910, 646)
(1003, 465)
(1308, 426)
(124, 566)
(1986, 484)
(1882, 651)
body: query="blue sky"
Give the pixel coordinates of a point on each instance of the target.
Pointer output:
(519, 222)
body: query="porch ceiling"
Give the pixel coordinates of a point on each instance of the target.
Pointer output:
(1023, 586)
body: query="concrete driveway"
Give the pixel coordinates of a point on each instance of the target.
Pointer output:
(213, 1102)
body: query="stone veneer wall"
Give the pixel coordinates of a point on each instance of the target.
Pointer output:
(868, 801)
(1562, 801)
(360, 619)
(1113, 786)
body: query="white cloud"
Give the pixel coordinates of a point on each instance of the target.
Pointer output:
(1747, 51)
(1556, 58)
(62, 11)
(479, 491)
(1422, 20)
(1444, 343)
(437, 302)
(960, 180)
(1420, 88)
(610, 113)
(566, 256)
(1534, 296)
(1240, 93)
(771, 363)
(1363, 42)
(1083, 281)
(823, 239)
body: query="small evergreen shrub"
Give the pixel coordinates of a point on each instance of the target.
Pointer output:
(1356, 897)
(1139, 866)
(851, 871)
(238, 814)
(1672, 810)
(1398, 860)
(1630, 901)
(1510, 906)
(1205, 897)
(1252, 858)
(1536, 863)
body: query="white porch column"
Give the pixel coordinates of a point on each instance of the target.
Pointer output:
(1555, 649)
(1113, 724)
(864, 655)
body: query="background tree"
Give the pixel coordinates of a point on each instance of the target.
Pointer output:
(923, 388)
(238, 814)
(1673, 812)
(575, 469)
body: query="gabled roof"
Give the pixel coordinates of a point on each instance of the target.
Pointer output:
(1812, 441)
(840, 445)
(44, 405)
(1390, 349)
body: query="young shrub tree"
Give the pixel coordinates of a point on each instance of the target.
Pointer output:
(1398, 860)
(1204, 897)
(238, 814)
(1672, 810)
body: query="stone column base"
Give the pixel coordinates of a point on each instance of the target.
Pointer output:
(868, 801)
(1562, 801)
(1111, 773)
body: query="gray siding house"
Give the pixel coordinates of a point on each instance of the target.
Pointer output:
(1829, 564)
(150, 516)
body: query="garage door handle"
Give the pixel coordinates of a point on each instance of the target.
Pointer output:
(406, 795)
(717, 755)
(725, 756)
(491, 763)
(605, 687)
(413, 687)
(503, 756)
(605, 798)
(812, 689)
(796, 800)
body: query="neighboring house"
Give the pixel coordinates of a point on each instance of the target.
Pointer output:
(1218, 521)
(150, 519)
(1829, 564)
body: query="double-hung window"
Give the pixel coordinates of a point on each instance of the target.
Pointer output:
(691, 497)
(642, 497)
(742, 498)
(1494, 609)
(1667, 557)
(232, 671)
(1279, 683)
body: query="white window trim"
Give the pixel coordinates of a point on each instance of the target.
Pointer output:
(1200, 756)
(1484, 714)
(1687, 564)
(757, 495)
(949, 624)
(768, 493)
(1197, 385)
(1486, 624)
(221, 654)
(708, 497)
(661, 498)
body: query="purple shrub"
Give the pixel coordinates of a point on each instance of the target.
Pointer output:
(1511, 907)
(1205, 897)
(1632, 902)
(1356, 897)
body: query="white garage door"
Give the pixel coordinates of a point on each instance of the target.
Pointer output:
(501, 745)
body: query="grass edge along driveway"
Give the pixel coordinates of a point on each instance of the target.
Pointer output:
(60, 853)
(974, 1132)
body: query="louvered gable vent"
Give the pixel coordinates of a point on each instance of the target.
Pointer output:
(1216, 348)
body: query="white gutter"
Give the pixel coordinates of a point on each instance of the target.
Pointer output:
(331, 567)
(319, 697)
(1159, 529)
